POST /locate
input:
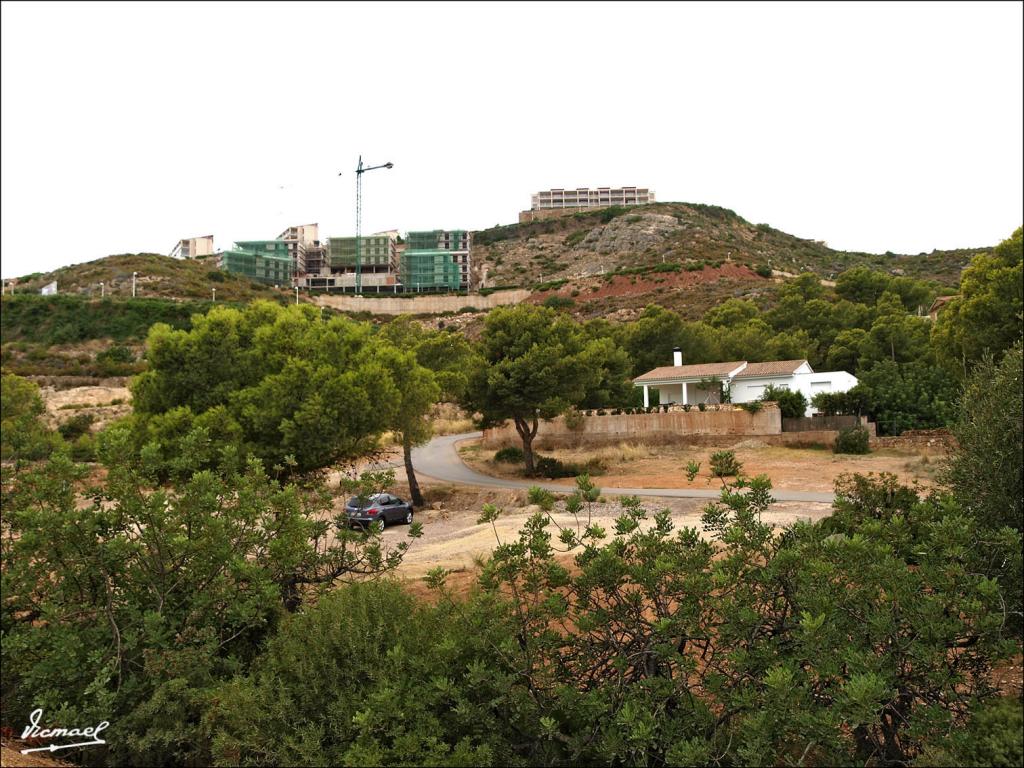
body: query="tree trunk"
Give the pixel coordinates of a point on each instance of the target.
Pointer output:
(414, 486)
(527, 434)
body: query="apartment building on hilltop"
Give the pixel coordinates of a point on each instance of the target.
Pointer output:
(193, 247)
(558, 202)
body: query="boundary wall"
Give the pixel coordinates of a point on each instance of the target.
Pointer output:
(420, 305)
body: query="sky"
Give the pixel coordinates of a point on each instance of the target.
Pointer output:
(873, 127)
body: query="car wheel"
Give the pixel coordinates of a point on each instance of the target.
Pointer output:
(383, 520)
(408, 517)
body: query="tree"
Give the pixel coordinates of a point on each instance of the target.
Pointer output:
(417, 393)
(862, 285)
(24, 435)
(128, 603)
(985, 470)
(536, 365)
(300, 393)
(906, 396)
(988, 315)
(431, 365)
(792, 403)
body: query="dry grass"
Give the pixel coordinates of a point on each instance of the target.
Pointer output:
(452, 426)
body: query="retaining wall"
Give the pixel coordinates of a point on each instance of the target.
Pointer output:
(421, 304)
(674, 427)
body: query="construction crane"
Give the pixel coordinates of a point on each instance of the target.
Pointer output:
(360, 170)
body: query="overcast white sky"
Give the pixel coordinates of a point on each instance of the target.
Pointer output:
(871, 126)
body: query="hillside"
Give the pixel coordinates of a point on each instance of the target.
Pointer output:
(583, 245)
(158, 277)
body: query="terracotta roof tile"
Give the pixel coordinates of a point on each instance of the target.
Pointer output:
(700, 371)
(770, 368)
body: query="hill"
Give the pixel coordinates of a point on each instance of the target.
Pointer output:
(158, 277)
(603, 240)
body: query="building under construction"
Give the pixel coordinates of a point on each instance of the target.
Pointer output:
(267, 261)
(437, 260)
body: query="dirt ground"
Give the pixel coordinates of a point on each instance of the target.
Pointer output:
(797, 469)
(453, 539)
(105, 404)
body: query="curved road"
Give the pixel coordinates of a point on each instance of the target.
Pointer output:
(440, 460)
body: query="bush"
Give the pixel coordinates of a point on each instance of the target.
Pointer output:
(510, 455)
(701, 407)
(558, 302)
(724, 464)
(541, 497)
(553, 469)
(852, 440)
(763, 271)
(692, 468)
(84, 448)
(792, 403)
(992, 737)
(76, 426)
(752, 407)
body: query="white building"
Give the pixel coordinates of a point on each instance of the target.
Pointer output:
(585, 197)
(745, 382)
(193, 247)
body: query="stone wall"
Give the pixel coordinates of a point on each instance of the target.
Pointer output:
(421, 304)
(652, 428)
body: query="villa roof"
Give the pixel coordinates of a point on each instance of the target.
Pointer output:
(739, 369)
(699, 371)
(770, 368)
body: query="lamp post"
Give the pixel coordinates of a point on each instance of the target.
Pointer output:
(102, 290)
(215, 295)
(134, 275)
(296, 295)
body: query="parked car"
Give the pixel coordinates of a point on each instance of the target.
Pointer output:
(380, 507)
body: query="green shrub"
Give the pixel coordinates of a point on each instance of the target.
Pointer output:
(541, 497)
(215, 276)
(992, 737)
(763, 271)
(552, 468)
(701, 407)
(792, 403)
(574, 420)
(575, 238)
(510, 455)
(76, 426)
(754, 406)
(724, 464)
(84, 448)
(558, 302)
(692, 468)
(852, 440)
(469, 308)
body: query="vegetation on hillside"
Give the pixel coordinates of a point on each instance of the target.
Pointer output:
(158, 277)
(184, 592)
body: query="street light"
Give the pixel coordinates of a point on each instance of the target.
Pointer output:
(102, 290)
(214, 295)
(296, 295)
(134, 275)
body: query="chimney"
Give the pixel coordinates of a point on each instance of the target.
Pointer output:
(677, 356)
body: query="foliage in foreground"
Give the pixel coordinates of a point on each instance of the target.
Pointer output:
(128, 602)
(859, 642)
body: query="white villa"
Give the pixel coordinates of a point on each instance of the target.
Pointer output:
(744, 381)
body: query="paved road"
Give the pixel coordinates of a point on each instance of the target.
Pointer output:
(439, 459)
